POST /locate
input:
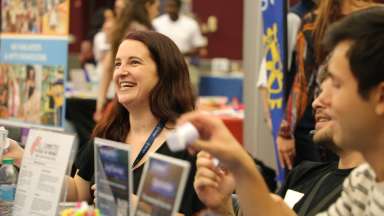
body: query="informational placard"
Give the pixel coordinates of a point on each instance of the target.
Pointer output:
(33, 62)
(42, 173)
(162, 186)
(113, 176)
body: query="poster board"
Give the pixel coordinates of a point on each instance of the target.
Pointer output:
(33, 62)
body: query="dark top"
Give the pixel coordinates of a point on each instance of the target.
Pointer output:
(190, 203)
(303, 7)
(304, 177)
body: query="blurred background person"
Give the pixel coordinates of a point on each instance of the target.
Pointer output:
(86, 54)
(294, 20)
(183, 30)
(294, 140)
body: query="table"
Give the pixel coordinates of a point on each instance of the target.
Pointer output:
(235, 126)
(230, 86)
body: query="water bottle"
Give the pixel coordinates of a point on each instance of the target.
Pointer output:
(8, 181)
(3, 141)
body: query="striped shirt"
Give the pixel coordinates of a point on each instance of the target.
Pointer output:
(361, 195)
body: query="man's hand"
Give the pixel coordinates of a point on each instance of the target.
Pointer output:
(217, 140)
(213, 186)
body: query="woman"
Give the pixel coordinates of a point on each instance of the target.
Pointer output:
(136, 16)
(153, 89)
(294, 140)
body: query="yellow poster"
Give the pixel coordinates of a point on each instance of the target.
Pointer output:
(43, 17)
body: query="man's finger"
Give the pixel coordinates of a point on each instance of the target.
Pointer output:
(202, 183)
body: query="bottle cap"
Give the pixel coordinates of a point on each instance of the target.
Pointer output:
(3, 131)
(8, 160)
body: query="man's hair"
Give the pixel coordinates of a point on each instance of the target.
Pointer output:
(178, 3)
(365, 29)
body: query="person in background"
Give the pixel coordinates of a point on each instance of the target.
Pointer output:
(183, 30)
(294, 141)
(294, 20)
(86, 54)
(101, 45)
(119, 6)
(136, 16)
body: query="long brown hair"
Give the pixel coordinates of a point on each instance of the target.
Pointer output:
(171, 96)
(328, 12)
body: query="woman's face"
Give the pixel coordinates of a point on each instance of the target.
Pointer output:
(135, 73)
(153, 9)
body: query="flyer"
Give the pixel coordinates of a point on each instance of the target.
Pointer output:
(113, 177)
(46, 159)
(162, 186)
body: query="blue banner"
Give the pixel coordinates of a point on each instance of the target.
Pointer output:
(274, 19)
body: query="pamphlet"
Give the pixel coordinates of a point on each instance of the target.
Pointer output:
(42, 173)
(113, 176)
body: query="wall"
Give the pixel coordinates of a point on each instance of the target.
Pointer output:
(228, 40)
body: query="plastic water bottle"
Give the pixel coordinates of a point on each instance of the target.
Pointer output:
(8, 181)
(3, 141)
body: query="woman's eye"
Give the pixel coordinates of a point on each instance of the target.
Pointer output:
(117, 64)
(335, 84)
(134, 62)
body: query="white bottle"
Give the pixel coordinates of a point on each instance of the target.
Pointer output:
(8, 181)
(183, 136)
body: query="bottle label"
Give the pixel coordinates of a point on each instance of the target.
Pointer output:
(7, 192)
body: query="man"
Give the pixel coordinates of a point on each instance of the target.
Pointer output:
(183, 30)
(311, 187)
(356, 107)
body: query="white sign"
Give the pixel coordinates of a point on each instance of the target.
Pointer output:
(42, 173)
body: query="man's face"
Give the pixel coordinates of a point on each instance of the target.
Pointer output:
(355, 124)
(321, 105)
(172, 9)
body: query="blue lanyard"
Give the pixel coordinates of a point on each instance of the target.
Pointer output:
(156, 131)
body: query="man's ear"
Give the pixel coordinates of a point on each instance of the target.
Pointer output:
(380, 99)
